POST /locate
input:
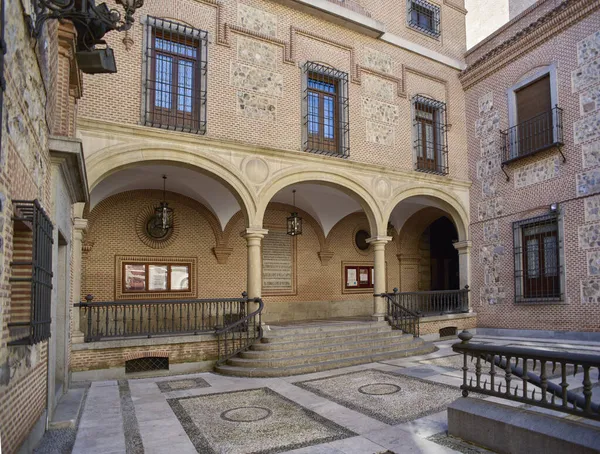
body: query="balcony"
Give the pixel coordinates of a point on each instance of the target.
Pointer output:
(542, 132)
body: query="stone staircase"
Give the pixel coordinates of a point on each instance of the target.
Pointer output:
(316, 346)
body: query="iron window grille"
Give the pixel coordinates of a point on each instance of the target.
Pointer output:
(538, 251)
(424, 16)
(430, 132)
(326, 127)
(175, 83)
(31, 274)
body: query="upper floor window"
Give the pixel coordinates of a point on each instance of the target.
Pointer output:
(538, 259)
(424, 16)
(325, 111)
(430, 135)
(535, 119)
(175, 82)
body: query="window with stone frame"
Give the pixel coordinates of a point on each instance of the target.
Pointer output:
(430, 135)
(538, 253)
(175, 76)
(424, 17)
(325, 111)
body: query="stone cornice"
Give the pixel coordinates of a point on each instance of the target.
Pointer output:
(563, 16)
(99, 128)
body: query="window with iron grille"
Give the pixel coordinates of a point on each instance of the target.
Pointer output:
(325, 111)
(538, 259)
(175, 79)
(31, 274)
(424, 16)
(430, 128)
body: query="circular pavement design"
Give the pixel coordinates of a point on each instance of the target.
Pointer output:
(246, 414)
(379, 389)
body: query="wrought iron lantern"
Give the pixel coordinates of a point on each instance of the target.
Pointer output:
(163, 214)
(294, 222)
(92, 23)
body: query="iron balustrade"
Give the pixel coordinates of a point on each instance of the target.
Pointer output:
(125, 319)
(539, 133)
(436, 302)
(399, 317)
(536, 389)
(240, 335)
(353, 6)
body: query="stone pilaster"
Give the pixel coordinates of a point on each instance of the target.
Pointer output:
(464, 262)
(79, 229)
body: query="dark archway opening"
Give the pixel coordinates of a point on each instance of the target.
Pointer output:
(444, 257)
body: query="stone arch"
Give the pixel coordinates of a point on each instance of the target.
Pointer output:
(450, 204)
(413, 228)
(339, 181)
(110, 160)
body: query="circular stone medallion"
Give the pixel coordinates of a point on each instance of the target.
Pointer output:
(246, 414)
(379, 389)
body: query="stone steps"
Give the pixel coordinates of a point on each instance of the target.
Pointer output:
(316, 347)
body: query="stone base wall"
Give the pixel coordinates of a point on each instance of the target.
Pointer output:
(431, 326)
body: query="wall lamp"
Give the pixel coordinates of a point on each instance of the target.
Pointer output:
(92, 23)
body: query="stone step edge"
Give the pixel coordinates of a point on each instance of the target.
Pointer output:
(317, 357)
(284, 331)
(264, 346)
(269, 339)
(318, 367)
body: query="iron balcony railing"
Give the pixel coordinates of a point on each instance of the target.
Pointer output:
(436, 302)
(125, 319)
(539, 133)
(530, 376)
(353, 6)
(399, 317)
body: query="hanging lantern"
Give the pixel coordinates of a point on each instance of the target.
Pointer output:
(163, 215)
(294, 222)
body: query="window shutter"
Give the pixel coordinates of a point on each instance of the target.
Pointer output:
(534, 99)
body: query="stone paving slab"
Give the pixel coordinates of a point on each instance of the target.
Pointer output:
(177, 385)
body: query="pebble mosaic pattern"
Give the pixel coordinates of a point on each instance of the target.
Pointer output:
(178, 385)
(258, 421)
(414, 399)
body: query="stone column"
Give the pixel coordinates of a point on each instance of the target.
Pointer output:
(79, 228)
(464, 262)
(254, 267)
(379, 305)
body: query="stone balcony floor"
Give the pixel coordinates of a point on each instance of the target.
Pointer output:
(396, 406)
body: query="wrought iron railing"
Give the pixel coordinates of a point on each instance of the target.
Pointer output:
(399, 317)
(124, 319)
(531, 386)
(437, 302)
(239, 336)
(539, 133)
(353, 6)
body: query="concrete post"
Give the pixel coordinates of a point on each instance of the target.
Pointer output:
(254, 268)
(379, 306)
(79, 228)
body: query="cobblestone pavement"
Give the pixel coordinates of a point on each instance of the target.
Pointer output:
(396, 406)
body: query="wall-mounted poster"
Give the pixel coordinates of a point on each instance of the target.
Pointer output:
(364, 275)
(351, 277)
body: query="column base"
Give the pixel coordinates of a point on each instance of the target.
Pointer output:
(378, 317)
(77, 338)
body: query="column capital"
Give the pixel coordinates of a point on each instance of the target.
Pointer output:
(80, 224)
(463, 247)
(251, 233)
(379, 240)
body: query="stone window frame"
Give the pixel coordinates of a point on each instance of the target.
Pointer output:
(511, 94)
(435, 33)
(518, 259)
(148, 23)
(442, 120)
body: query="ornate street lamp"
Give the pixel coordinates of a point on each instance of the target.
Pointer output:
(92, 23)
(294, 222)
(163, 215)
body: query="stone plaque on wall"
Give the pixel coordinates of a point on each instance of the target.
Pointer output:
(278, 263)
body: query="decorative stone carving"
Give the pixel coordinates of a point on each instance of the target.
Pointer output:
(257, 20)
(537, 172)
(585, 76)
(490, 209)
(486, 102)
(591, 154)
(588, 182)
(325, 257)
(256, 106)
(488, 167)
(380, 111)
(381, 134)
(378, 87)
(487, 125)
(378, 61)
(590, 291)
(222, 254)
(589, 100)
(256, 79)
(490, 231)
(382, 187)
(256, 52)
(257, 170)
(592, 208)
(589, 236)
(588, 49)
